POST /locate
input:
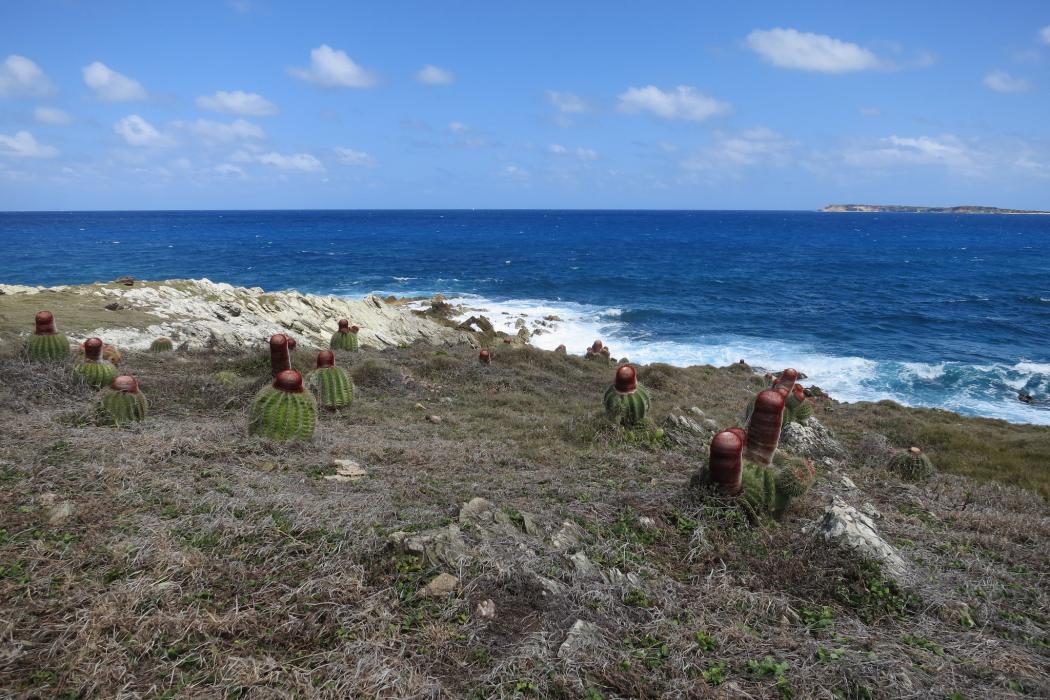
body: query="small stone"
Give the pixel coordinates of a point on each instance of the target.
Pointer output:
(441, 586)
(647, 523)
(569, 536)
(113, 307)
(696, 411)
(433, 419)
(61, 513)
(870, 510)
(421, 407)
(848, 483)
(529, 524)
(581, 636)
(583, 565)
(487, 609)
(346, 470)
(709, 424)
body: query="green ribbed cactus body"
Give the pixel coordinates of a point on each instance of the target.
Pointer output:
(283, 415)
(162, 345)
(333, 387)
(345, 341)
(96, 373)
(627, 408)
(48, 348)
(792, 479)
(911, 464)
(758, 496)
(121, 407)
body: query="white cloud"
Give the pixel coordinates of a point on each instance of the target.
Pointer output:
(52, 115)
(248, 104)
(1001, 81)
(566, 102)
(586, 154)
(1044, 34)
(21, 77)
(23, 145)
(790, 48)
(947, 151)
(219, 132)
(300, 162)
(139, 132)
(458, 128)
(557, 149)
(751, 147)
(348, 156)
(230, 170)
(433, 75)
(684, 102)
(333, 68)
(581, 153)
(111, 86)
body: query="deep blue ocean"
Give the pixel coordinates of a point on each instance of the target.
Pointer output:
(926, 309)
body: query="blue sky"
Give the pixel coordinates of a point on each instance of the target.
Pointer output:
(768, 105)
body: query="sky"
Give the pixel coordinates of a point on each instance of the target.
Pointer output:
(260, 104)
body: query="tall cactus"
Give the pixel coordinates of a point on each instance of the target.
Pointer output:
(284, 410)
(332, 384)
(724, 463)
(122, 402)
(346, 337)
(94, 370)
(626, 401)
(47, 344)
(280, 359)
(763, 428)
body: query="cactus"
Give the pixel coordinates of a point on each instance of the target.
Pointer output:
(484, 357)
(598, 351)
(93, 369)
(792, 479)
(796, 408)
(162, 345)
(332, 384)
(47, 344)
(763, 427)
(280, 360)
(911, 464)
(758, 496)
(786, 379)
(346, 337)
(724, 465)
(561, 350)
(284, 410)
(626, 401)
(122, 402)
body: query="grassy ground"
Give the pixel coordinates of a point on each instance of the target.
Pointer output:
(183, 558)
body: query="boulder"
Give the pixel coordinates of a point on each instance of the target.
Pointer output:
(847, 527)
(811, 439)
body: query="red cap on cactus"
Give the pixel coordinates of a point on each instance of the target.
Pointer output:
(725, 463)
(344, 326)
(605, 351)
(325, 358)
(596, 346)
(279, 359)
(763, 431)
(93, 349)
(626, 379)
(45, 323)
(740, 433)
(789, 375)
(291, 343)
(125, 383)
(485, 357)
(354, 329)
(799, 392)
(289, 380)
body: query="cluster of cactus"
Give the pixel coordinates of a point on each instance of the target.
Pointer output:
(626, 401)
(122, 402)
(911, 464)
(485, 357)
(599, 351)
(162, 345)
(346, 337)
(47, 344)
(94, 369)
(332, 384)
(284, 410)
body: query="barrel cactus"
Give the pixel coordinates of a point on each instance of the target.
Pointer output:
(485, 357)
(280, 359)
(763, 427)
(793, 478)
(284, 410)
(93, 369)
(346, 337)
(332, 384)
(911, 464)
(626, 401)
(47, 344)
(162, 345)
(122, 402)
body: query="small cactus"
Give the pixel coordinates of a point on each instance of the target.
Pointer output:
(796, 408)
(95, 370)
(284, 410)
(485, 357)
(626, 401)
(47, 344)
(280, 360)
(763, 428)
(793, 479)
(724, 463)
(598, 351)
(346, 337)
(561, 350)
(786, 378)
(332, 384)
(122, 402)
(911, 464)
(162, 345)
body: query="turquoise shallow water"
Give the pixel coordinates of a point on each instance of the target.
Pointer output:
(934, 310)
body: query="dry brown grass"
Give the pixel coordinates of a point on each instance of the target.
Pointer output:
(200, 562)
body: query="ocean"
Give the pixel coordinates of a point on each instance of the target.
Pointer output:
(926, 309)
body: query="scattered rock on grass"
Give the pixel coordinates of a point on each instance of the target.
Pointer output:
(441, 586)
(848, 527)
(346, 470)
(583, 635)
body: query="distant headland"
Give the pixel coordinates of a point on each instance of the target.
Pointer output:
(902, 209)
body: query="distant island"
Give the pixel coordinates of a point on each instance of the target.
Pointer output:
(901, 209)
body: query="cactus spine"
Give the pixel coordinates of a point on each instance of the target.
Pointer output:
(280, 360)
(47, 344)
(284, 410)
(94, 370)
(122, 402)
(332, 384)
(346, 337)
(162, 345)
(911, 464)
(626, 401)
